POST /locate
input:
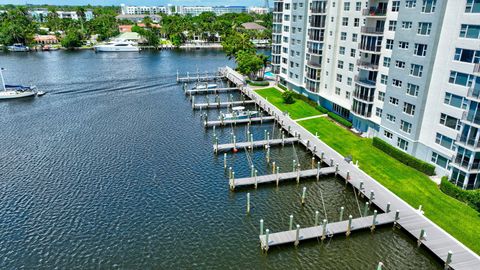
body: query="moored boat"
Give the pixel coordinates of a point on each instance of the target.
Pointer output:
(238, 113)
(18, 47)
(205, 86)
(117, 46)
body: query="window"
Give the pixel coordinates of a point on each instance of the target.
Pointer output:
(339, 78)
(285, 28)
(412, 89)
(300, 4)
(403, 45)
(286, 18)
(405, 126)
(347, 94)
(449, 121)
(388, 134)
(356, 22)
(350, 67)
(473, 6)
(406, 25)
(408, 108)
(294, 6)
(381, 96)
(345, 21)
(424, 28)
(410, 3)
(416, 70)
(354, 37)
(358, 6)
(386, 61)
(392, 25)
(349, 81)
(287, 6)
(420, 49)
(341, 50)
(391, 118)
(383, 79)
(402, 144)
(343, 36)
(428, 6)
(399, 64)
(439, 160)
(397, 83)
(455, 100)
(467, 56)
(352, 52)
(393, 101)
(395, 6)
(459, 78)
(389, 45)
(346, 6)
(294, 18)
(337, 91)
(340, 64)
(378, 112)
(445, 141)
(470, 31)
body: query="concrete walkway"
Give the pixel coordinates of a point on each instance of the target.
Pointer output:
(311, 117)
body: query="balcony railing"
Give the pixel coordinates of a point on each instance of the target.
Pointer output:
(465, 163)
(314, 64)
(465, 140)
(363, 97)
(367, 65)
(473, 93)
(476, 69)
(369, 48)
(365, 82)
(471, 117)
(372, 30)
(314, 51)
(375, 11)
(318, 38)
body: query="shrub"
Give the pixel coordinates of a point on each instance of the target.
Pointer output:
(321, 109)
(470, 197)
(403, 157)
(283, 87)
(340, 119)
(257, 83)
(288, 97)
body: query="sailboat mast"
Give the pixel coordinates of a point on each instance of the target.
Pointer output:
(3, 81)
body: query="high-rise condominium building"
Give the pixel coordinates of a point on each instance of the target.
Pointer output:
(405, 71)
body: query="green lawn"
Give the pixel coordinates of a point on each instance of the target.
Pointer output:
(414, 187)
(297, 110)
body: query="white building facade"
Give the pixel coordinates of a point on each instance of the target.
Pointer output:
(183, 10)
(405, 71)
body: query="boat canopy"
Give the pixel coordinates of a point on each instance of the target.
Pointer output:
(19, 87)
(238, 108)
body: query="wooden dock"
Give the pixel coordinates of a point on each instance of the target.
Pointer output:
(215, 105)
(255, 144)
(210, 91)
(197, 77)
(331, 229)
(448, 249)
(278, 177)
(238, 121)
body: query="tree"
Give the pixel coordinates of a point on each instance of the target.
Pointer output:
(17, 27)
(73, 39)
(236, 42)
(150, 35)
(249, 63)
(288, 97)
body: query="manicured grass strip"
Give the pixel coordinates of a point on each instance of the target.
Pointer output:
(455, 217)
(299, 109)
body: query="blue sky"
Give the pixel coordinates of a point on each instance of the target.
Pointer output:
(140, 2)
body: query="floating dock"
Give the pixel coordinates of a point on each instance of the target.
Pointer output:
(278, 177)
(214, 105)
(210, 90)
(197, 77)
(325, 230)
(254, 144)
(239, 121)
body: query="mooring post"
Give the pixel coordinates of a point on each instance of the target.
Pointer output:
(316, 217)
(331, 162)
(267, 231)
(379, 266)
(214, 132)
(341, 213)
(268, 138)
(256, 180)
(322, 155)
(324, 230)
(374, 220)
(289, 130)
(251, 140)
(232, 181)
(252, 170)
(318, 170)
(349, 225)
(336, 169)
(268, 154)
(265, 134)
(261, 226)
(314, 149)
(193, 102)
(297, 235)
(304, 194)
(298, 173)
(397, 217)
(448, 261)
(348, 176)
(273, 167)
(230, 172)
(225, 161)
(388, 208)
(290, 226)
(308, 143)
(248, 203)
(293, 165)
(283, 139)
(234, 142)
(216, 144)
(421, 237)
(365, 210)
(278, 176)
(361, 186)
(372, 194)
(313, 162)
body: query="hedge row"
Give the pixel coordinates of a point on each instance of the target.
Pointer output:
(258, 83)
(340, 119)
(470, 197)
(403, 157)
(283, 87)
(321, 109)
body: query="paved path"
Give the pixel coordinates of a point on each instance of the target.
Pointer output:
(311, 117)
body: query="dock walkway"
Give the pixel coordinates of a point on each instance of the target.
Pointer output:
(210, 90)
(331, 229)
(239, 121)
(255, 144)
(278, 177)
(215, 105)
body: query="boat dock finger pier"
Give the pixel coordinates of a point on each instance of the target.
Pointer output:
(229, 122)
(253, 144)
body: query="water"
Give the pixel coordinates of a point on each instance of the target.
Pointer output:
(112, 169)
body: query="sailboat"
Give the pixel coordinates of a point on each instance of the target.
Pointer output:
(15, 91)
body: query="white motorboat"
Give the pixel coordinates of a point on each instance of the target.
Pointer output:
(40, 93)
(18, 47)
(238, 113)
(205, 86)
(15, 91)
(117, 46)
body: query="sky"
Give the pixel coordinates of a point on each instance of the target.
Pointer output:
(141, 2)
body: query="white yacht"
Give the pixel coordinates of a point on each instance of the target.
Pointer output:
(117, 46)
(203, 86)
(238, 113)
(15, 91)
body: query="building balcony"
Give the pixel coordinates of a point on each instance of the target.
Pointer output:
(367, 65)
(470, 143)
(471, 118)
(363, 98)
(364, 115)
(465, 164)
(364, 82)
(312, 77)
(473, 94)
(476, 69)
(371, 30)
(314, 64)
(314, 51)
(370, 48)
(316, 38)
(374, 12)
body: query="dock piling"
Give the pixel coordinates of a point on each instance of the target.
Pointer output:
(267, 231)
(256, 179)
(331, 162)
(248, 203)
(316, 218)
(361, 186)
(232, 181)
(388, 208)
(294, 165)
(225, 161)
(341, 213)
(397, 217)
(304, 194)
(349, 225)
(318, 170)
(278, 175)
(273, 167)
(324, 230)
(336, 169)
(374, 220)
(421, 237)
(365, 210)
(448, 260)
(298, 173)
(379, 266)
(297, 235)
(290, 227)
(372, 196)
(313, 162)
(261, 226)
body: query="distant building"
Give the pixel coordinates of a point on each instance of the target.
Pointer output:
(139, 18)
(183, 10)
(140, 10)
(39, 15)
(46, 39)
(258, 10)
(67, 15)
(89, 15)
(220, 10)
(253, 26)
